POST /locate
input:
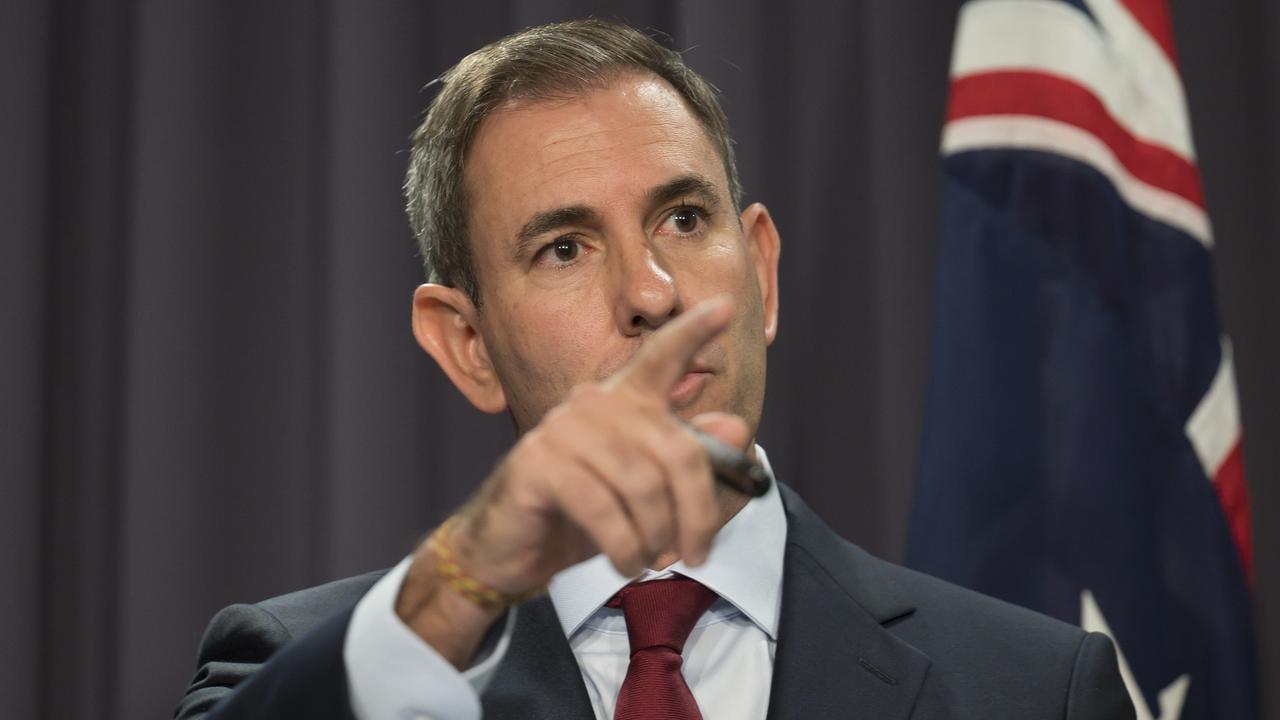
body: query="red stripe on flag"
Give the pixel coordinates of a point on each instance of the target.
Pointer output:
(1056, 98)
(1153, 16)
(1233, 495)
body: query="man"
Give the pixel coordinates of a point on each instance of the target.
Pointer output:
(574, 193)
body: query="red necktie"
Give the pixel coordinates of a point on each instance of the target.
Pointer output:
(660, 614)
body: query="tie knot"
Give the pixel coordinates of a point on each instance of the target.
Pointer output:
(662, 613)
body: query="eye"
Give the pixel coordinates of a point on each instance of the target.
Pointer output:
(561, 251)
(565, 250)
(684, 221)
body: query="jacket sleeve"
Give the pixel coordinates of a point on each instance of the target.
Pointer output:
(1097, 690)
(248, 668)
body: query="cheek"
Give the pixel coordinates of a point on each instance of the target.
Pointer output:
(720, 267)
(550, 343)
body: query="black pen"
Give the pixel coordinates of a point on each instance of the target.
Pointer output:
(732, 467)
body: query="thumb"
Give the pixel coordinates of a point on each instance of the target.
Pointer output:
(725, 427)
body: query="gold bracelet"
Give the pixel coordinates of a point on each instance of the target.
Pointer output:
(468, 587)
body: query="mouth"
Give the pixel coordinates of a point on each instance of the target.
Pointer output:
(689, 387)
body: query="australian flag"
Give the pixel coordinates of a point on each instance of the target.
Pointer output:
(1081, 452)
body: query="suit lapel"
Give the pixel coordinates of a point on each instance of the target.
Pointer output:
(539, 679)
(834, 656)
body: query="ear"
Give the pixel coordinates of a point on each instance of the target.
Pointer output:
(444, 322)
(763, 243)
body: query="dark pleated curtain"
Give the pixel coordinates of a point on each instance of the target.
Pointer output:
(208, 388)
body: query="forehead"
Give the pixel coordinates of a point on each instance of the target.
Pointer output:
(605, 147)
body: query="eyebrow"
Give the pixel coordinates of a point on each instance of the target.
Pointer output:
(579, 215)
(685, 185)
(548, 220)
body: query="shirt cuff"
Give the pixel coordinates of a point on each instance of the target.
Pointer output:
(393, 673)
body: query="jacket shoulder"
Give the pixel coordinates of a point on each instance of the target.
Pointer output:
(953, 612)
(928, 612)
(985, 657)
(301, 610)
(241, 637)
(983, 648)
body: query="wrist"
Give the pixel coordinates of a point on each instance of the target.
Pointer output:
(453, 551)
(443, 603)
(444, 619)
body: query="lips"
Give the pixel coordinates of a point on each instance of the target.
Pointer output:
(689, 386)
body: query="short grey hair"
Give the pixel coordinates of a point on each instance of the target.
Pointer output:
(545, 62)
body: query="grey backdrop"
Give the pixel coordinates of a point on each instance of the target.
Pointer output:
(208, 389)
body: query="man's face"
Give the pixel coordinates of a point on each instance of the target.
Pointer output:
(593, 221)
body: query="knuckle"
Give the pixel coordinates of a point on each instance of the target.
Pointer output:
(645, 484)
(591, 505)
(686, 451)
(657, 523)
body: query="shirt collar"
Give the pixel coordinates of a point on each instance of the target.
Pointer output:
(744, 567)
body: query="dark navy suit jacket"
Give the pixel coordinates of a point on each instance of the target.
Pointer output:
(858, 638)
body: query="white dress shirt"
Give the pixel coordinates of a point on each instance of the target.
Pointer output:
(728, 658)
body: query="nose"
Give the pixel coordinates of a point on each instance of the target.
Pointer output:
(648, 295)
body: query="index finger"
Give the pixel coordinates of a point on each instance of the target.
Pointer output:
(661, 361)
